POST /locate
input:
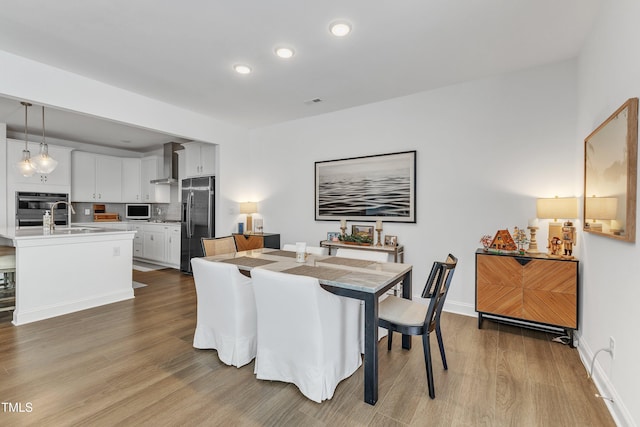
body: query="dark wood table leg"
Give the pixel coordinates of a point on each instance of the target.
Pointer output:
(371, 349)
(406, 293)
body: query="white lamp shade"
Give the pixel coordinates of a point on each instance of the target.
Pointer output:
(600, 207)
(248, 207)
(557, 207)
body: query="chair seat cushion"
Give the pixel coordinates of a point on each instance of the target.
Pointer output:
(402, 311)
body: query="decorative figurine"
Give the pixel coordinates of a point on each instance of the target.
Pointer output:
(555, 246)
(520, 237)
(569, 239)
(503, 241)
(486, 241)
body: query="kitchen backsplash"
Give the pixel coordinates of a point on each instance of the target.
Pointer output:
(159, 211)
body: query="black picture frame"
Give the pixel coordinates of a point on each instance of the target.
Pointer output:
(369, 188)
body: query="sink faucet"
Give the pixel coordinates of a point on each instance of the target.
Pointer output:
(53, 210)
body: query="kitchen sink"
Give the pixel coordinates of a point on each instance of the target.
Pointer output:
(75, 230)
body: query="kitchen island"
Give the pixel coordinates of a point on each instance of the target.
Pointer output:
(69, 269)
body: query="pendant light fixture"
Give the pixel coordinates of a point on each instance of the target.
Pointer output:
(25, 165)
(43, 162)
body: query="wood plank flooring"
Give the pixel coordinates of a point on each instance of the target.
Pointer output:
(132, 363)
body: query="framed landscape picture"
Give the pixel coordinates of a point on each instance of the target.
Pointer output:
(369, 188)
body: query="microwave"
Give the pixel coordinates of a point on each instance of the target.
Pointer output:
(137, 211)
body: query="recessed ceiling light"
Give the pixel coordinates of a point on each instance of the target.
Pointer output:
(242, 69)
(284, 52)
(340, 28)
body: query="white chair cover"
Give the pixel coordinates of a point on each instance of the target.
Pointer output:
(362, 254)
(369, 256)
(226, 319)
(314, 250)
(306, 335)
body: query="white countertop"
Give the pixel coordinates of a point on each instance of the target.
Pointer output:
(59, 232)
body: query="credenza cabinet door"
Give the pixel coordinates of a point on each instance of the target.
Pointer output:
(525, 288)
(550, 292)
(499, 286)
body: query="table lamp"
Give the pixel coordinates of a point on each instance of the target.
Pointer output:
(603, 208)
(249, 208)
(557, 208)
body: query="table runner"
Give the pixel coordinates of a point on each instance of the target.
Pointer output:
(289, 254)
(248, 261)
(350, 262)
(324, 273)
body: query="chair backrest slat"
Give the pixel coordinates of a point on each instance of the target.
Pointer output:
(437, 287)
(218, 245)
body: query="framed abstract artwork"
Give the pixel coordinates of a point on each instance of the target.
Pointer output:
(369, 188)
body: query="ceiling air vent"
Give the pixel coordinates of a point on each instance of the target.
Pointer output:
(312, 101)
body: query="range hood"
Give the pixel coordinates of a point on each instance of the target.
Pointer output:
(170, 164)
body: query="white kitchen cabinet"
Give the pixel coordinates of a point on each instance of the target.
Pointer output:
(154, 243)
(173, 245)
(138, 240)
(60, 177)
(96, 178)
(131, 180)
(108, 179)
(152, 193)
(199, 159)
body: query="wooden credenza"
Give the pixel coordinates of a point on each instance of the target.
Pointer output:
(247, 242)
(531, 289)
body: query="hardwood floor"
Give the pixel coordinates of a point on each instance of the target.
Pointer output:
(132, 363)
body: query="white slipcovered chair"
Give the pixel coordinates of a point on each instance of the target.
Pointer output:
(313, 250)
(226, 319)
(306, 335)
(368, 256)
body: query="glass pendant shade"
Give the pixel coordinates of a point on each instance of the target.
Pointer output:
(43, 162)
(25, 165)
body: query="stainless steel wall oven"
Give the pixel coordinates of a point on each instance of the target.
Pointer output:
(30, 208)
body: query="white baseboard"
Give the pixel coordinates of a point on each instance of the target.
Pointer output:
(617, 408)
(41, 313)
(462, 308)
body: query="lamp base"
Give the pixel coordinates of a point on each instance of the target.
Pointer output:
(595, 226)
(249, 228)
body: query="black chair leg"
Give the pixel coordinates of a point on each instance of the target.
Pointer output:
(427, 361)
(441, 345)
(389, 339)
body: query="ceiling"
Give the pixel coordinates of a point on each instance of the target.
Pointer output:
(183, 53)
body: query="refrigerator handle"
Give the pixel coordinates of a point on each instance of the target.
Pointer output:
(188, 225)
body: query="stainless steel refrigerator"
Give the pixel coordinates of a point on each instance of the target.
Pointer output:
(198, 217)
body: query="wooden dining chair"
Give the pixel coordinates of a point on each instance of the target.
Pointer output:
(218, 245)
(414, 318)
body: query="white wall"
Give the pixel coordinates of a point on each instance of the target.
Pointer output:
(485, 150)
(609, 70)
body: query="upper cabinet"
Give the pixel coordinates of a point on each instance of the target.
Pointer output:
(59, 180)
(96, 178)
(199, 159)
(131, 180)
(152, 193)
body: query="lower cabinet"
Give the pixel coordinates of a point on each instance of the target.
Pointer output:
(247, 242)
(158, 243)
(154, 243)
(539, 290)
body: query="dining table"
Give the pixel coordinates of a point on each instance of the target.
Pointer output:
(354, 278)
